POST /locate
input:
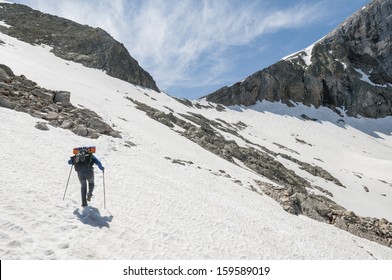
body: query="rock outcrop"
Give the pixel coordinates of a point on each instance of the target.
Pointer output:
(351, 68)
(291, 191)
(21, 94)
(92, 47)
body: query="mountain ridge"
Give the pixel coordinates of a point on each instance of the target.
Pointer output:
(93, 47)
(349, 69)
(187, 179)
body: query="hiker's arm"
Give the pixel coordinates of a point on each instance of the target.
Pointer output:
(98, 163)
(70, 161)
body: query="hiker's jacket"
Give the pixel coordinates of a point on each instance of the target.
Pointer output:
(87, 164)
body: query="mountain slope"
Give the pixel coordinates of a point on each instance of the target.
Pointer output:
(184, 181)
(169, 197)
(93, 47)
(349, 69)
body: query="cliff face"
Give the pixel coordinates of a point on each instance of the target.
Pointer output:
(350, 68)
(93, 47)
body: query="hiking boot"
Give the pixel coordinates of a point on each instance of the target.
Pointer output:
(84, 204)
(89, 195)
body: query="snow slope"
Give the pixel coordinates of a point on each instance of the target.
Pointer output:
(157, 209)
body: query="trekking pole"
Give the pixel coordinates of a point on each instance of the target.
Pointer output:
(104, 197)
(69, 176)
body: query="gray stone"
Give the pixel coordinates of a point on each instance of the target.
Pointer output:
(43, 94)
(66, 124)
(4, 86)
(64, 97)
(92, 133)
(53, 108)
(80, 130)
(4, 102)
(98, 125)
(41, 126)
(51, 116)
(115, 134)
(5, 73)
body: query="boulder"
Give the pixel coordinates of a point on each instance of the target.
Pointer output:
(80, 130)
(66, 124)
(98, 125)
(51, 116)
(41, 126)
(4, 102)
(64, 97)
(43, 94)
(5, 73)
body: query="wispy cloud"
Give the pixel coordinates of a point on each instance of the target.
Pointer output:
(185, 42)
(172, 38)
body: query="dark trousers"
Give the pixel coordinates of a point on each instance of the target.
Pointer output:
(86, 176)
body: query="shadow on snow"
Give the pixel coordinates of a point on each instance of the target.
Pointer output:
(91, 216)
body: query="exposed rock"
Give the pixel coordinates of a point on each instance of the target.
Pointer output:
(4, 102)
(99, 125)
(5, 73)
(184, 101)
(80, 130)
(51, 116)
(23, 95)
(5, 88)
(220, 108)
(44, 94)
(314, 170)
(292, 191)
(115, 133)
(350, 68)
(323, 209)
(67, 124)
(42, 126)
(305, 117)
(129, 144)
(92, 47)
(64, 97)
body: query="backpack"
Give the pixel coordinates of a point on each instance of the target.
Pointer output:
(83, 156)
(83, 160)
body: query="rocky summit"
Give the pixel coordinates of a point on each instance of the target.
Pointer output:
(350, 68)
(93, 47)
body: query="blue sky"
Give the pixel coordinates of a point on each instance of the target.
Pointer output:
(194, 47)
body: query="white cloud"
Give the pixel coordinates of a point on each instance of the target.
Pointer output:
(172, 39)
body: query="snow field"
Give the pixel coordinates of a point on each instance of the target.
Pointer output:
(157, 209)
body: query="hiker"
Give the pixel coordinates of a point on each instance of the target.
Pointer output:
(83, 162)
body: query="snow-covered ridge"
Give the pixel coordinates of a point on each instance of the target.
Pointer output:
(305, 54)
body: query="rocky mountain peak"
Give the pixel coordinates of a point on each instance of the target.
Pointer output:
(350, 68)
(93, 47)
